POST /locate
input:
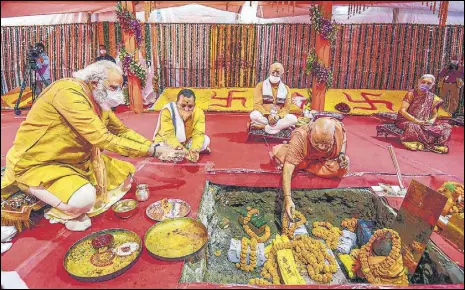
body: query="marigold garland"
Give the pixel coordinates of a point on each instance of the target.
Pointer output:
(242, 265)
(372, 272)
(327, 232)
(288, 228)
(265, 236)
(310, 253)
(349, 224)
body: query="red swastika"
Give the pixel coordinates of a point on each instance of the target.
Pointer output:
(369, 102)
(229, 99)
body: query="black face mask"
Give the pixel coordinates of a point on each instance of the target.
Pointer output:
(453, 66)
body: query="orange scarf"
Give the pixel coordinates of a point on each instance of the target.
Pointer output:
(98, 164)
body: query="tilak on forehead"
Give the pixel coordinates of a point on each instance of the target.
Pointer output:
(277, 65)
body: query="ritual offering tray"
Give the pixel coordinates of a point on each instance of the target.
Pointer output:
(168, 208)
(103, 255)
(176, 239)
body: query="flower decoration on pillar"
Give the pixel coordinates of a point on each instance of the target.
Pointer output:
(326, 28)
(129, 23)
(131, 67)
(316, 67)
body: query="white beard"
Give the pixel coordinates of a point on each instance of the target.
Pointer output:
(100, 95)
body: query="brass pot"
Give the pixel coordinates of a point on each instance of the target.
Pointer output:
(125, 208)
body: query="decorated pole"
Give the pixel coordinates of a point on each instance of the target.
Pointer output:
(323, 54)
(134, 83)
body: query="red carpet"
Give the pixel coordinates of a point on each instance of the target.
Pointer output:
(38, 254)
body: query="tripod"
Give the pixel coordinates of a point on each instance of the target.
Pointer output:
(30, 76)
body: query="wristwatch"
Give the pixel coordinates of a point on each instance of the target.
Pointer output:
(155, 149)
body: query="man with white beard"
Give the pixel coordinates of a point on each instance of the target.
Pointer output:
(272, 103)
(56, 155)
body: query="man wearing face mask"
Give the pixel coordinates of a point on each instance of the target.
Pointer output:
(103, 54)
(319, 148)
(272, 103)
(450, 82)
(181, 125)
(57, 156)
(417, 117)
(43, 69)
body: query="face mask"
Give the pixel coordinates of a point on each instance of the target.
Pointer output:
(103, 51)
(424, 87)
(456, 62)
(274, 79)
(113, 99)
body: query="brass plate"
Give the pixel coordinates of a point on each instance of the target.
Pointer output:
(77, 260)
(176, 239)
(167, 209)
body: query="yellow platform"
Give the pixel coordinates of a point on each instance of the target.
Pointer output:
(10, 98)
(361, 102)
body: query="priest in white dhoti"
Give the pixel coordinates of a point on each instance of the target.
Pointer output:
(272, 103)
(181, 125)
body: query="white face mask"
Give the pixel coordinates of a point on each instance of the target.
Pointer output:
(102, 51)
(113, 99)
(274, 79)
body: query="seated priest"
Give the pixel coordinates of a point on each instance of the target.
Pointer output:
(57, 153)
(272, 103)
(319, 148)
(417, 117)
(181, 125)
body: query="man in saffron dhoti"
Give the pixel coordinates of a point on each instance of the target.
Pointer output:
(272, 103)
(319, 148)
(56, 155)
(181, 125)
(417, 117)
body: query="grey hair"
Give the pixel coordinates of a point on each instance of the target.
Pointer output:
(280, 64)
(428, 76)
(97, 71)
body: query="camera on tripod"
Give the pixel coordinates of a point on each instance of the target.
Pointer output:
(33, 54)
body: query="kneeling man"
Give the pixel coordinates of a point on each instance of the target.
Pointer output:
(272, 103)
(181, 125)
(57, 154)
(319, 148)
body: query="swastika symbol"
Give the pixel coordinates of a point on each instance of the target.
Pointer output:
(369, 102)
(229, 99)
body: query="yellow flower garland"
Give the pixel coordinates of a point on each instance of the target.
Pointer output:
(288, 228)
(253, 255)
(373, 272)
(265, 236)
(327, 232)
(349, 224)
(310, 253)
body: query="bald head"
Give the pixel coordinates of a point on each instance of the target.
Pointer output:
(322, 137)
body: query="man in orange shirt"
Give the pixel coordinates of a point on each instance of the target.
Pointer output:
(319, 148)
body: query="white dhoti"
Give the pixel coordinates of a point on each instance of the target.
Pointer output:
(288, 121)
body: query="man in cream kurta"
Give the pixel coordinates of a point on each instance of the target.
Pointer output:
(272, 103)
(181, 125)
(56, 154)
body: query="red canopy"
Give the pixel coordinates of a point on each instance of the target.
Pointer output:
(278, 9)
(29, 8)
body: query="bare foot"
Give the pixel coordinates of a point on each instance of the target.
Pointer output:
(275, 162)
